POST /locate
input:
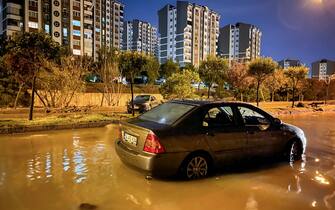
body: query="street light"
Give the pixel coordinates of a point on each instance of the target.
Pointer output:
(327, 80)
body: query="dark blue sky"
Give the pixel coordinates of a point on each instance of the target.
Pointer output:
(303, 29)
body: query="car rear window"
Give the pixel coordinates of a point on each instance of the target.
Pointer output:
(167, 113)
(142, 97)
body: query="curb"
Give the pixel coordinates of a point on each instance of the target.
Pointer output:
(24, 129)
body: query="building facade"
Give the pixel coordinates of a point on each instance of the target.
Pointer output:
(188, 33)
(140, 36)
(289, 63)
(323, 68)
(240, 42)
(83, 25)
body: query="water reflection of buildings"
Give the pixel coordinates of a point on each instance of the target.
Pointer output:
(64, 162)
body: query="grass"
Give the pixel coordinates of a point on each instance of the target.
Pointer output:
(61, 120)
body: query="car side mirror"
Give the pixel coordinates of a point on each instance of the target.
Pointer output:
(277, 121)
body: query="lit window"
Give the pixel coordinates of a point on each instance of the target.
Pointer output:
(33, 25)
(47, 28)
(65, 32)
(76, 22)
(76, 32)
(76, 52)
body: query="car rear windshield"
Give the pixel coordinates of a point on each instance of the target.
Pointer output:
(143, 97)
(167, 113)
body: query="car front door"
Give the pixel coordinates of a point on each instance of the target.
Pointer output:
(225, 137)
(264, 138)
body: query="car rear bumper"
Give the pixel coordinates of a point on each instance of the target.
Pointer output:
(162, 165)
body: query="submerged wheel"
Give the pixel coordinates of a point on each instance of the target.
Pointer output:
(294, 152)
(196, 167)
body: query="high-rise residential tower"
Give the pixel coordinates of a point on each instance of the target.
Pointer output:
(83, 25)
(188, 33)
(323, 68)
(140, 36)
(240, 42)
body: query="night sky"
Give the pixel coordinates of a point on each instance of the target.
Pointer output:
(298, 29)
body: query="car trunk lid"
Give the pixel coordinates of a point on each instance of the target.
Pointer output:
(135, 132)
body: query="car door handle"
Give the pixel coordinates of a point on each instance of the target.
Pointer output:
(210, 134)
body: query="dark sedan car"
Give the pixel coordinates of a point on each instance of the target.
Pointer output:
(142, 103)
(193, 137)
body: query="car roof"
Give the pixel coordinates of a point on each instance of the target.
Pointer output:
(207, 102)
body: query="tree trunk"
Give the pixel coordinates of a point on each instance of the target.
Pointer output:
(18, 95)
(132, 97)
(209, 90)
(241, 96)
(102, 99)
(272, 96)
(257, 94)
(293, 95)
(327, 93)
(41, 99)
(262, 95)
(31, 110)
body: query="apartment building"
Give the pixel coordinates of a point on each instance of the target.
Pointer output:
(83, 25)
(140, 36)
(188, 33)
(240, 42)
(284, 64)
(323, 68)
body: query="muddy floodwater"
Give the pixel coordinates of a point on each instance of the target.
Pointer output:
(63, 169)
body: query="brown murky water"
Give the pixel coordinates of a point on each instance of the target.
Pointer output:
(62, 169)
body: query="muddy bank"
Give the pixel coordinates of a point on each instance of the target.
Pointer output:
(34, 128)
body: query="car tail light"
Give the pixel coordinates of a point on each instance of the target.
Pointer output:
(153, 145)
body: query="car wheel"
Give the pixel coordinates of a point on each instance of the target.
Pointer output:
(196, 167)
(294, 152)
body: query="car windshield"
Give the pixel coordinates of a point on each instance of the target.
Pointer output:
(167, 113)
(142, 97)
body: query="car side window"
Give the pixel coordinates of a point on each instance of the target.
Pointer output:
(153, 98)
(218, 117)
(252, 117)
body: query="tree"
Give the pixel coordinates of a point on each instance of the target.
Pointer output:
(260, 69)
(59, 82)
(27, 53)
(152, 68)
(295, 75)
(178, 85)
(275, 82)
(213, 70)
(132, 64)
(238, 78)
(168, 68)
(107, 67)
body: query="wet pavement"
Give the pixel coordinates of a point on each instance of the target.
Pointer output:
(63, 169)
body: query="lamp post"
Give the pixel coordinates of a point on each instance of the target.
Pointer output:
(327, 80)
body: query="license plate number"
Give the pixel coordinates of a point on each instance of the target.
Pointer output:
(130, 139)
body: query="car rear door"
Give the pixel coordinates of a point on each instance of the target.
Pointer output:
(225, 137)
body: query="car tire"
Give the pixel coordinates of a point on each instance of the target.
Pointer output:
(293, 151)
(196, 166)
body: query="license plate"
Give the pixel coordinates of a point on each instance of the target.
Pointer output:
(130, 139)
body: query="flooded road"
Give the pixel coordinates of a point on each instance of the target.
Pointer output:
(62, 169)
